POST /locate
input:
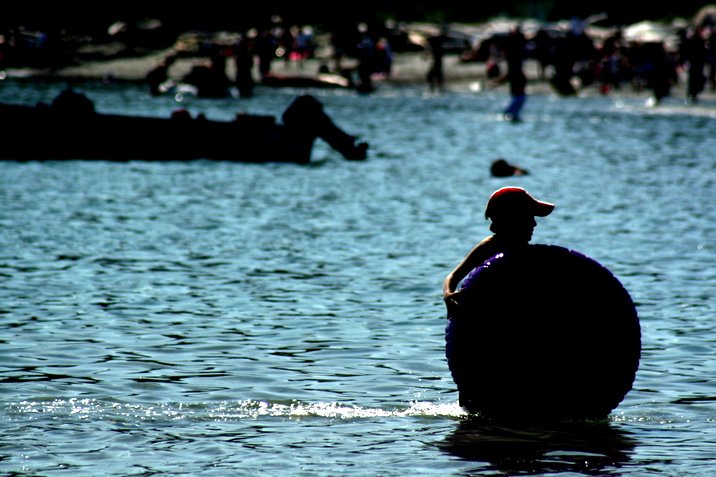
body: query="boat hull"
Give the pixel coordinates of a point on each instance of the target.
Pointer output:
(70, 128)
(42, 133)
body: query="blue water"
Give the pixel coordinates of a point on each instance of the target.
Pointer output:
(213, 318)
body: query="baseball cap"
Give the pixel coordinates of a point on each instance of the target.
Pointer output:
(510, 200)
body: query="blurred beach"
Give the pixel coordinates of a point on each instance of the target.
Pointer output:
(110, 62)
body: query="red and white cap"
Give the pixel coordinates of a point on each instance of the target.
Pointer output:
(515, 200)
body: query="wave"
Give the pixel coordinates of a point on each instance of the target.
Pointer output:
(221, 411)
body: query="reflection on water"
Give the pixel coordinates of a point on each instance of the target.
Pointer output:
(583, 447)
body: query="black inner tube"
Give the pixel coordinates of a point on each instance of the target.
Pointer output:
(543, 333)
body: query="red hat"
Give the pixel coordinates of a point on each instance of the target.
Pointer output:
(514, 200)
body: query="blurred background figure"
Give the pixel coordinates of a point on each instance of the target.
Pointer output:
(502, 168)
(436, 45)
(264, 47)
(365, 53)
(514, 54)
(244, 59)
(159, 75)
(694, 54)
(210, 80)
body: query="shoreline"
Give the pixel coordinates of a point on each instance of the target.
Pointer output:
(408, 69)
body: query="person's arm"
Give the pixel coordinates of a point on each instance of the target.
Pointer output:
(481, 252)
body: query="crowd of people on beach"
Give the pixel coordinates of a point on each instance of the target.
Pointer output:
(257, 49)
(572, 59)
(568, 58)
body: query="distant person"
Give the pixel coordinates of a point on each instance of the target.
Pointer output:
(244, 60)
(572, 54)
(340, 43)
(265, 46)
(181, 114)
(286, 43)
(365, 51)
(514, 54)
(306, 115)
(711, 57)
(502, 168)
(611, 62)
(304, 44)
(696, 55)
(661, 73)
(542, 52)
(210, 81)
(159, 75)
(383, 57)
(71, 103)
(436, 73)
(512, 211)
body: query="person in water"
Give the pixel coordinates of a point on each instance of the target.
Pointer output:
(502, 168)
(512, 211)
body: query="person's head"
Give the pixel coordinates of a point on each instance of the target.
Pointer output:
(512, 211)
(502, 168)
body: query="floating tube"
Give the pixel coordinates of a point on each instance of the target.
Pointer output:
(543, 333)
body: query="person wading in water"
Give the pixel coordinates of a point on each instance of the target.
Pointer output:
(512, 211)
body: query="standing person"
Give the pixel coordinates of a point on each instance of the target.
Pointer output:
(265, 46)
(436, 75)
(512, 211)
(286, 43)
(244, 59)
(514, 54)
(695, 55)
(365, 51)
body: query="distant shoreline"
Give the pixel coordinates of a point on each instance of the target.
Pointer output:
(408, 69)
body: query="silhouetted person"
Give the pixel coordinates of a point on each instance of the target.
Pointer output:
(72, 103)
(383, 57)
(512, 211)
(341, 42)
(661, 71)
(210, 81)
(571, 53)
(610, 62)
(265, 49)
(159, 75)
(695, 55)
(711, 58)
(563, 64)
(436, 74)
(502, 168)
(306, 116)
(514, 53)
(181, 114)
(542, 52)
(304, 45)
(365, 51)
(286, 43)
(244, 58)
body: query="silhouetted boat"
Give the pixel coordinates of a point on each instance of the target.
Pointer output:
(71, 129)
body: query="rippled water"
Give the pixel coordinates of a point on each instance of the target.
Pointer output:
(213, 318)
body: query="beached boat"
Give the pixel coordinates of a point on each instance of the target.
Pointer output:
(70, 128)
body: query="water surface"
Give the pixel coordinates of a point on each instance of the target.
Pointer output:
(216, 318)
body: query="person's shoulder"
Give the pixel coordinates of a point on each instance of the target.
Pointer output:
(488, 247)
(487, 241)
